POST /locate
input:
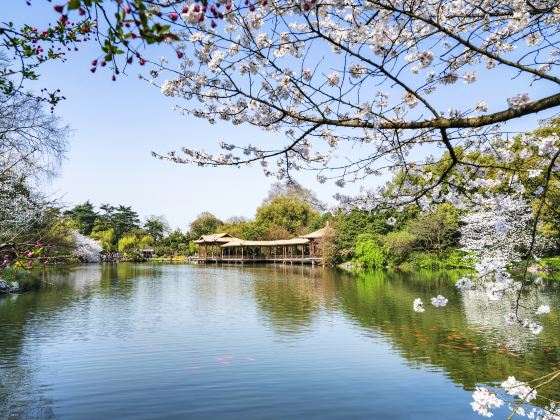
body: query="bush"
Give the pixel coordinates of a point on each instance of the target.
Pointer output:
(22, 276)
(458, 259)
(551, 264)
(370, 254)
(430, 261)
(427, 261)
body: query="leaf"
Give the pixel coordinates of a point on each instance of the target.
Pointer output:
(74, 4)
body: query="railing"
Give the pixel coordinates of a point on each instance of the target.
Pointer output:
(258, 257)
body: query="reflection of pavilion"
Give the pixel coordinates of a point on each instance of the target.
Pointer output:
(221, 247)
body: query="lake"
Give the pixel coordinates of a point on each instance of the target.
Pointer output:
(144, 341)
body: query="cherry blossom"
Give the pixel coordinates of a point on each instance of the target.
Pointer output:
(439, 301)
(418, 305)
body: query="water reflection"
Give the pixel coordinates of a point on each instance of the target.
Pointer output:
(159, 317)
(468, 338)
(290, 297)
(488, 316)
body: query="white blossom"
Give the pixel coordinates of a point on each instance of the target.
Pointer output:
(418, 305)
(439, 301)
(519, 389)
(469, 77)
(410, 99)
(86, 249)
(519, 100)
(484, 401)
(481, 107)
(543, 309)
(333, 79)
(464, 283)
(510, 318)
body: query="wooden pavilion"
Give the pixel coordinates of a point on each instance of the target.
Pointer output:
(222, 247)
(209, 245)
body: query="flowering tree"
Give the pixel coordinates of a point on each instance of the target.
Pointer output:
(19, 210)
(32, 144)
(388, 69)
(373, 75)
(27, 47)
(86, 249)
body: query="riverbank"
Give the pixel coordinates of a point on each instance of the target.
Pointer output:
(15, 281)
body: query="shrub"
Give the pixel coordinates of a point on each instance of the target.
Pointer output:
(370, 254)
(427, 261)
(552, 263)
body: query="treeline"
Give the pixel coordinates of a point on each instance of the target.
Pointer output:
(370, 239)
(119, 229)
(289, 210)
(392, 238)
(389, 237)
(431, 239)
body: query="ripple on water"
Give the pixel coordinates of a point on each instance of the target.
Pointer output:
(143, 341)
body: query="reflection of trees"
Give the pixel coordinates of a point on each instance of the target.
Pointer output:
(462, 338)
(441, 337)
(40, 306)
(290, 297)
(121, 277)
(488, 316)
(22, 315)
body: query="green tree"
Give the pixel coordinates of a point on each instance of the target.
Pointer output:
(292, 188)
(128, 244)
(350, 225)
(124, 219)
(107, 238)
(204, 224)
(121, 219)
(436, 231)
(84, 216)
(286, 212)
(156, 226)
(398, 246)
(370, 253)
(176, 243)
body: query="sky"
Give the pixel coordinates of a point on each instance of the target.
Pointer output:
(116, 125)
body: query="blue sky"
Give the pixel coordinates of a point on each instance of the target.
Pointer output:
(115, 126)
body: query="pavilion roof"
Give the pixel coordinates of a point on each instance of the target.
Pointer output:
(281, 242)
(318, 233)
(216, 237)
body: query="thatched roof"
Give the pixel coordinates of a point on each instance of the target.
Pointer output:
(281, 242)
(216, 237)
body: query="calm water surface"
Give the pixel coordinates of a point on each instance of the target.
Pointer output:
(182, 341)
